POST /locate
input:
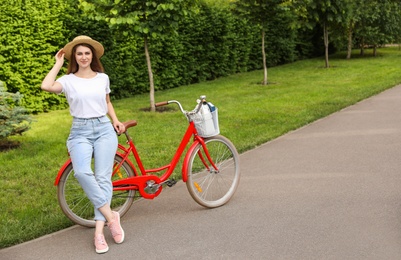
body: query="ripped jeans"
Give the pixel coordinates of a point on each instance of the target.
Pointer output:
(93, 137)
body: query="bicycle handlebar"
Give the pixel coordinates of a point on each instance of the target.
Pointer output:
(160, 104)
(196, 110)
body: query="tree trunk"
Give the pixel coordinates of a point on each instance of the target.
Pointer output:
(349, 49)
(264, 59)
(375, 50)
(150, 73)
(326, 44)
(362, 47)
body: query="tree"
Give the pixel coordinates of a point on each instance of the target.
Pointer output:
(329, 14)
(262, 13)
(13, 118)
(141, 17)
(380, 23)
(377, 23)
(351, 21)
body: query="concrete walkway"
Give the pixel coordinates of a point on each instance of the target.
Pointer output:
(330, 190)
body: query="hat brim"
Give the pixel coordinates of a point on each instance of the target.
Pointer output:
(97, 46)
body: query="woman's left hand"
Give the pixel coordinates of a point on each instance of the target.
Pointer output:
(119, 127)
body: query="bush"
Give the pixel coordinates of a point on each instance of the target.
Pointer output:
(30, 35)
(13, 118)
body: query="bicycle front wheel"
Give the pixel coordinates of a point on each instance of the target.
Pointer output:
(75, 204)
(209, 187)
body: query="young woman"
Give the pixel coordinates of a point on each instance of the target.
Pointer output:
(87, 90)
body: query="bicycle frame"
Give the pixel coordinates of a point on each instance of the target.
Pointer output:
(145, 179)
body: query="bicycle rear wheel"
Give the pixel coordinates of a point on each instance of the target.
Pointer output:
(208, 187)
(75, 204)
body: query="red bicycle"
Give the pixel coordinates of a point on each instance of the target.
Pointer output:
(210, 169)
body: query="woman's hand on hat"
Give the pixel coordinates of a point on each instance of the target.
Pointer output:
(60, 56)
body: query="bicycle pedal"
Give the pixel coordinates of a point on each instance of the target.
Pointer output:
(171, 182)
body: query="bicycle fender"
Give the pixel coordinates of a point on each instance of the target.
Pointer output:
(60, 172)
(186, 161)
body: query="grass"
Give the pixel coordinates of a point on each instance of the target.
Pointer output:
(250, 114)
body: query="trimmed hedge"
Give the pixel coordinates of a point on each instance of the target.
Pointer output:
(209, 44)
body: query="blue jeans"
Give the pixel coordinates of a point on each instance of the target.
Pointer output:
(93, 137)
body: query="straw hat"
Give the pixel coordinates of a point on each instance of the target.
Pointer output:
(83, 39)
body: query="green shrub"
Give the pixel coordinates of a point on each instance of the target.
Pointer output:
(30, 35)
(13, 118)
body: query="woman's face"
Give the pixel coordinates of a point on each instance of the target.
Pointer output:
(83, 56)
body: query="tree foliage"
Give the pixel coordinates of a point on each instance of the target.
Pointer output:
(328, 14)
(378, 24)
(265, 14)
(153, 18)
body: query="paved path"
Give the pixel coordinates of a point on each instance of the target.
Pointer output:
(330, 190)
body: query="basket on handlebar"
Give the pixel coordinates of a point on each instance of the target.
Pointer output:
(206, 120)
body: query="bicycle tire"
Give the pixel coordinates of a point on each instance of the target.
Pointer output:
(75, 204)
(207, 187)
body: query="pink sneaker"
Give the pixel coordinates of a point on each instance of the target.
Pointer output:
(100, 244)
(115, 228)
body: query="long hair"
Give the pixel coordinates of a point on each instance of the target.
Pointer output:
(96, 65)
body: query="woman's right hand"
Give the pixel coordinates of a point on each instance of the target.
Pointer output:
(49, 82)
(60, 56)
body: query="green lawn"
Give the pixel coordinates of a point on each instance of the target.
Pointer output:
(250, 114)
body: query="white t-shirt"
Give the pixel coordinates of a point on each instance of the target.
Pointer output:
(86, 97)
